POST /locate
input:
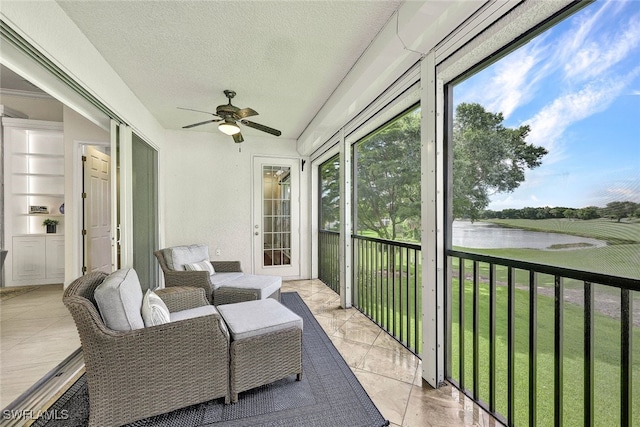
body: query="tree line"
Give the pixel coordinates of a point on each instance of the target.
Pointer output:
(613, 210)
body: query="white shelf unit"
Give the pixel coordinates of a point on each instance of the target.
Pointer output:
(33, 176)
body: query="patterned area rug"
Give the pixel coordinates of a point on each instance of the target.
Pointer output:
(328, 395)
(8, 293)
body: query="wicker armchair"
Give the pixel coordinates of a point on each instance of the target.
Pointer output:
(144, 372)
(227, 293)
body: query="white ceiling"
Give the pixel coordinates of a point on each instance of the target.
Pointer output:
(283, 58)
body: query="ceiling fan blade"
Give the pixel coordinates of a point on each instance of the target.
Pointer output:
(237, 137)
(201, 123)
(199, 111)
(263, 128)
(246, 112)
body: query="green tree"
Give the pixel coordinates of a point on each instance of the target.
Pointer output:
(590, 212)
(330, 194)
(388, 179)
(619, 210)
(488, 158)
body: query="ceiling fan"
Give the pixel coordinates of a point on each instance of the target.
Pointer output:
(230, 116)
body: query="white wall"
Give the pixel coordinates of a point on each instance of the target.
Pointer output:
(208, 191)
(37, 108)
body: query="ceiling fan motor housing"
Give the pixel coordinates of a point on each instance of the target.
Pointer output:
(232, 115)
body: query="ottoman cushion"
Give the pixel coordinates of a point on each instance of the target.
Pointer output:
(254, 318)
(266, 285)
(219, 279)
(190, 313)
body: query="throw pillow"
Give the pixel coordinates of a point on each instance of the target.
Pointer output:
(154, 310)
(200, 266)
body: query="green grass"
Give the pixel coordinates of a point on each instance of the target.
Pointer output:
(615, 260)
(607, 358)
(386, 291)
(603, 229)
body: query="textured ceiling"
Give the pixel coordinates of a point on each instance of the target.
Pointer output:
(283, 58)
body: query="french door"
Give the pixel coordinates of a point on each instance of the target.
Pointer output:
(276, 216)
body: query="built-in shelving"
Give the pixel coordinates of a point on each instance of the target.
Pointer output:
(34, 176)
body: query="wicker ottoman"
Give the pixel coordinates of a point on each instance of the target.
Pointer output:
(266, 343)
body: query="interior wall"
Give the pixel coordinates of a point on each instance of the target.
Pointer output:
(209, 195)
(37, 108)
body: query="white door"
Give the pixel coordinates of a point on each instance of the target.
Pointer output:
(97, 204)
(276, 216)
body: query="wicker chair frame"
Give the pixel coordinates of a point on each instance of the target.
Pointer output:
(145, 372)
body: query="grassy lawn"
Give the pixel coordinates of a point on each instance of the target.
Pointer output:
(388, 290)
(603, 229)
(607, 357)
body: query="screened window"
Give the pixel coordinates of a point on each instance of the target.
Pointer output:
(330, 194)
(387, 182)
(546, 140)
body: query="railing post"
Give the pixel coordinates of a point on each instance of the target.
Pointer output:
(626, 347)
(558, 352)
(511, 345)
(346, 273)
(533, 347)
(588, 355)
(492, 337)
(476, 329)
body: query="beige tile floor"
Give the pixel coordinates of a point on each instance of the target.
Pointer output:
(391, 375)
(37, 333)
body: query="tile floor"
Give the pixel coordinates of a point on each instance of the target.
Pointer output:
(391, 375)
(37, 333)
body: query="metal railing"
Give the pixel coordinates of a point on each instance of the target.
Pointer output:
(329, 259)
(534, 345)
(386, 287)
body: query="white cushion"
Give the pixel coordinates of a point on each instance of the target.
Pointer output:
(204, 310)
(154, 310)
(177, 256)
(119, 299)
(222, 278)
(252, 318)
(266, 285)
(204, 265)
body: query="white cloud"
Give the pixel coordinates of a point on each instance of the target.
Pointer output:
(512, 83)
(592, 49)
(550, 123)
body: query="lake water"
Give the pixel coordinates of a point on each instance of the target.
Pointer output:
(482, 235)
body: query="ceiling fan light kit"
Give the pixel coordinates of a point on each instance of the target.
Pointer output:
(229, 128)
(230, 115)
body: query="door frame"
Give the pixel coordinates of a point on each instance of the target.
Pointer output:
(74, 210)
(293, 270)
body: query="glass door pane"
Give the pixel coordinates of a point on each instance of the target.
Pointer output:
(276, 215)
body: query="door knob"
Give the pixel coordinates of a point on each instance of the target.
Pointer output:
(256, 233)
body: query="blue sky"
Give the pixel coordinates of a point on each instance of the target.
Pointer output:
(578, 87)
